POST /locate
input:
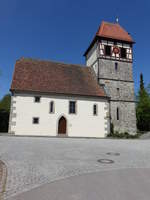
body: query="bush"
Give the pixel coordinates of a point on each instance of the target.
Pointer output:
(112, 128)
(124, 135)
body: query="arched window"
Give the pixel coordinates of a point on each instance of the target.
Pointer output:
(117, 113)
(52, 107)
(95, 109)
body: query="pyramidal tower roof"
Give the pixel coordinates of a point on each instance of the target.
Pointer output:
(111, 31)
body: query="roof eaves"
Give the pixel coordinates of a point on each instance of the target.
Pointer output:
(13, 90)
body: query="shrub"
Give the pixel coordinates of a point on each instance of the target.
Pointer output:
(124, 135)
(111, 128)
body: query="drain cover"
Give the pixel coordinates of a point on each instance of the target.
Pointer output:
(105, 161)
(113, 154)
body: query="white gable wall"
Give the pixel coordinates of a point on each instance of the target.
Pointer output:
(81, 124)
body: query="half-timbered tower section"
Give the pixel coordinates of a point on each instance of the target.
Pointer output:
(111, 56)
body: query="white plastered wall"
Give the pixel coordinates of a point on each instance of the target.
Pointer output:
(81, 124)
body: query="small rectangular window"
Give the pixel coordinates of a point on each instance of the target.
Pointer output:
(35, 120)
(123, 53)
(94, 109)
(107, 50)
(37, 99)
(72, 107)
(52, 107)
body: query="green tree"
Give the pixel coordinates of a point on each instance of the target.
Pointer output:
(148, 89)
(141, 82)
(4, 113)
(5, 103)
(143, 108)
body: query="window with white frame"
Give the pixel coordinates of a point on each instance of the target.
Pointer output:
(37, 99)
(95, 109)
(35, 120)
(72, 107)
(52, 109)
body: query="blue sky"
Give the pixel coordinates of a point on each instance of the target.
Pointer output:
(61, 30)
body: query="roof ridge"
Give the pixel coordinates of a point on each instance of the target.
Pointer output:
(109, 22)
(49, 61)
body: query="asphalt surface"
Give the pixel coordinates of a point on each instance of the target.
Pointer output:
(67, 168)
(124, 184)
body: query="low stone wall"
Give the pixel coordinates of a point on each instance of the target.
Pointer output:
(3, 178)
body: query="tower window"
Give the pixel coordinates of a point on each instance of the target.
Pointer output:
(37, 99)
(108, 50)
(123, 53)
(116, 66)
(118, 91)
(52, 107)
(95, 109)
(117, 113)
(72, 107)
(35, 120)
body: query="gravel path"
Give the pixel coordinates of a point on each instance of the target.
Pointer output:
(32, 162)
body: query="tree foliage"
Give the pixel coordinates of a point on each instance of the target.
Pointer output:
(4, 113)
(5, 103)
(143, 107)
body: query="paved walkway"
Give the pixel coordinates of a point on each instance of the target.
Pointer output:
(129, 184)
(33, 162)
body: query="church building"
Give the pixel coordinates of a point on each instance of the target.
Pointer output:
(57, 99)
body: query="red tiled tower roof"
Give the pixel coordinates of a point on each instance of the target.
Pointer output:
(113, 31)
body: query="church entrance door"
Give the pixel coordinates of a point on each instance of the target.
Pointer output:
(62, 126)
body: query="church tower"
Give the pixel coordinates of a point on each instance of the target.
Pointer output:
(111, 56)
